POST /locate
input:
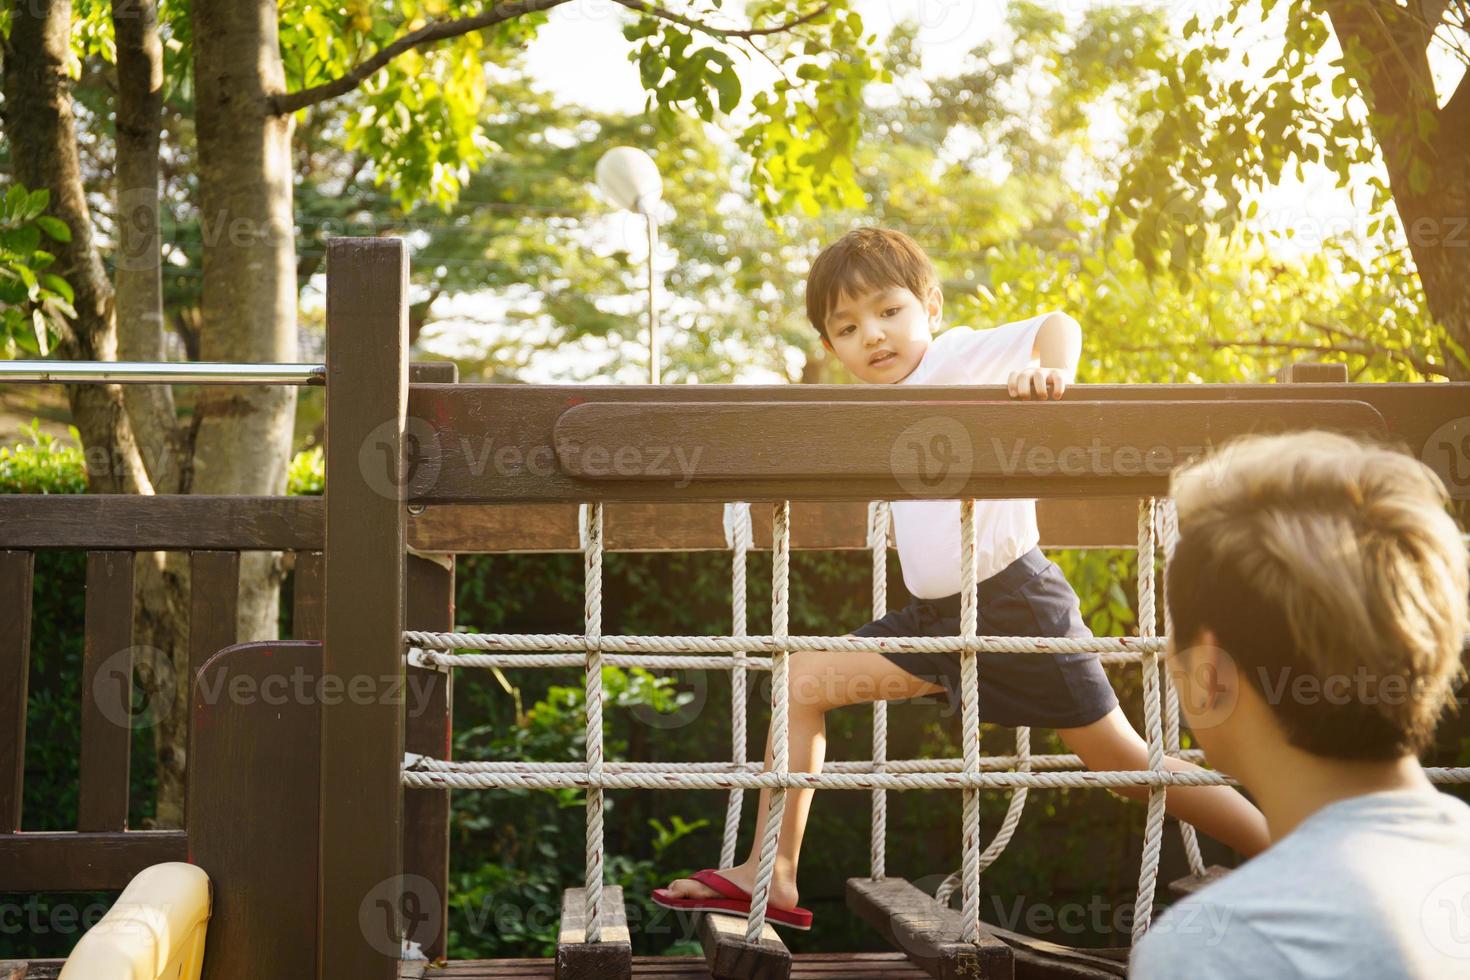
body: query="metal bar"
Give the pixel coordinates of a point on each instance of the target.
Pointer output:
(161, 372)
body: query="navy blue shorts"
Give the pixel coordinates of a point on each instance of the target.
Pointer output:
(1029, 597)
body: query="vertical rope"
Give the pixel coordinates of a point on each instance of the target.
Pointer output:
(1148, 872)
(1171, 694)
(739, 536)
(592, 574)
(1008, 826)
(878, 545)
(780, 596)
(969, 700)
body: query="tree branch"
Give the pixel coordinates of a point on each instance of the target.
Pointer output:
(1420, 364)
(288, 102)
(655, 11)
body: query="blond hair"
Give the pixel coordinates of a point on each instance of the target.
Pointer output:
(1314, 554)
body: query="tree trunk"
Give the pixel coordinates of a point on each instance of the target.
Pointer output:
(248, 308)
(161, 621)
(1429, 175)
(41, 126)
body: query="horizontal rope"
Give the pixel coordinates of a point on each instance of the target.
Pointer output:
(769, 644)
(450, 779)
(645, 660)
(454, 779)
(994, 763)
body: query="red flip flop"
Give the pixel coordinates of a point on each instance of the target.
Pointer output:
(734, 900)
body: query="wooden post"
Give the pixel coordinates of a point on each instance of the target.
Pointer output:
(360, 906)
(16, 569)
(430, 725)
(107, 685)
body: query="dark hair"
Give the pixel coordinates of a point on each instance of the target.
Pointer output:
(863, 260)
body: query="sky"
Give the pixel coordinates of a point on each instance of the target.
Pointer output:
(581, 56)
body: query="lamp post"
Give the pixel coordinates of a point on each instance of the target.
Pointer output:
(629, 178)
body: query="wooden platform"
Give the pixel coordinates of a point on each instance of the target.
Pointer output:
(804, 966)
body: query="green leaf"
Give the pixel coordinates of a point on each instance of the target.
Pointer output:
(54, 227)
(59, 286)
(37, 203)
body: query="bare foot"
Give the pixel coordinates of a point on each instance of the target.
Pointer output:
(783, 894)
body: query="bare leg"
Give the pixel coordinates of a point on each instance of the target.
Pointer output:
(817, 681)
(1111, 744)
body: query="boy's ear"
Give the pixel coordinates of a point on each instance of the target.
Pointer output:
(1207, 679)
(935, 305)
(827, 344)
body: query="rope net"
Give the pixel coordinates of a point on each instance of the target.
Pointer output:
(971, 774)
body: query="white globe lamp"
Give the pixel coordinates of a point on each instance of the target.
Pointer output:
(629, 178)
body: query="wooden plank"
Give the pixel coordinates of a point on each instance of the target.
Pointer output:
(918, 445)
(160, 523)
(611, 958)
(65, 861)
(428, 731)
(107, 685)
(367, 461)
(504, 528)
(1312, 372)
(816, 525)
(473, 425)
(729, 957)
(16, 573)
(433, 372)
(804, 966)
(214, 599)
(253, 807)
(1191, 883)
(926, 931)
(307, 594)
(1038, 959)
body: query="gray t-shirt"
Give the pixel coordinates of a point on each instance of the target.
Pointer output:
(1372, 886)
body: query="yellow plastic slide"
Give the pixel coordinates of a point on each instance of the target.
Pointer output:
(155, 930)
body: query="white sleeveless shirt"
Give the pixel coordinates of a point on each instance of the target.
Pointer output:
(927, 532)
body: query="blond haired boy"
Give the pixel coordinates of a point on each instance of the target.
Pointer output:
(1319, 601)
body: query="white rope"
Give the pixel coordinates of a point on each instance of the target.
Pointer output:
(878, 547)
(453, 778)
(738, 535)
(970, 725)
(1023, 762)
(770, 837)
(993, 763)
(592, 573)
(434, 659)
(1127, 646)
(1153, 829)
(1170, 520)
